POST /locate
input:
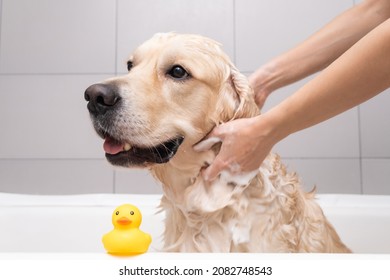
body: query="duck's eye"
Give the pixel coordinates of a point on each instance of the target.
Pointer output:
(178, 72)
(129, 65)
(117, 213)
(131, 212)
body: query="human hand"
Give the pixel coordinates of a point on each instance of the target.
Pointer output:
(245, 144)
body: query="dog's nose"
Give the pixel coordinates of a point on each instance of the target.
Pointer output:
(101, 98)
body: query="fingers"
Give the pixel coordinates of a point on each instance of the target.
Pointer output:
(210, 140)
(217, 166)
(212, 171)
(206, 143)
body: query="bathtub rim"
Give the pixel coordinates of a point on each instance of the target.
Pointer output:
(107, 199)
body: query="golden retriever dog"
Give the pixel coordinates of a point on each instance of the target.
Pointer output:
(177, 89)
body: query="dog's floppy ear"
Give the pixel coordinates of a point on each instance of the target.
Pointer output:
(246, 102)
(236, 99)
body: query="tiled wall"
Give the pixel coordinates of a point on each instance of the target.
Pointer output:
(51, 50)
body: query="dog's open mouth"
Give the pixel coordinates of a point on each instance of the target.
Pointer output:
(125, 154)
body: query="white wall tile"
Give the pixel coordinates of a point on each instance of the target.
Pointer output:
(328, 175)
(265, 29)
(1, 12)
(46, 117)
(46, 132)
(336, 137)
(55, 176)
(136, 181)
(139, 20)
(376, 176)
(56, 36)
(375, 126)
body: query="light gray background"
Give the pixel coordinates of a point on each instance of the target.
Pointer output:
(51, 50)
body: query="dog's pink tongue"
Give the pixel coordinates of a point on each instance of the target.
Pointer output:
(112, 147)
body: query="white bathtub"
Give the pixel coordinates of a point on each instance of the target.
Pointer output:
(76, 224)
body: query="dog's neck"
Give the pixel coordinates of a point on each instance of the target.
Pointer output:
(183, 173)
(203, 207)
(178, 174)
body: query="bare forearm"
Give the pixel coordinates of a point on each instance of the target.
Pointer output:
(322, 48)
(359, 74)
(360, 70)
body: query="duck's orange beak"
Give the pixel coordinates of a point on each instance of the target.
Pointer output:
(124, 221)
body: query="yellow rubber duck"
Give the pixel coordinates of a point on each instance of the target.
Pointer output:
(126, 238)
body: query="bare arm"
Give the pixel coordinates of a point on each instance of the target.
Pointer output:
(319, 50)
(359, 74)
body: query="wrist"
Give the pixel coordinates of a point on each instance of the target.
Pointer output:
(265, 78)
(270, 126)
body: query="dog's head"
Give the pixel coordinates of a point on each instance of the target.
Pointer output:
(178, 87)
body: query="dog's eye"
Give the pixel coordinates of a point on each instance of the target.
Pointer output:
(129, 65)
(178, 72)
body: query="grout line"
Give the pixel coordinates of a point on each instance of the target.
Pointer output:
(56, 74)
(336, 158)
(283, 157)
(320, 158)
(116, 37)
(116, 73)
(234, 34)
(1, 22)
(360, 150)
(114, 181)
(51, 159)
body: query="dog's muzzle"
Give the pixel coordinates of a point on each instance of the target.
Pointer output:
(103, 106)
